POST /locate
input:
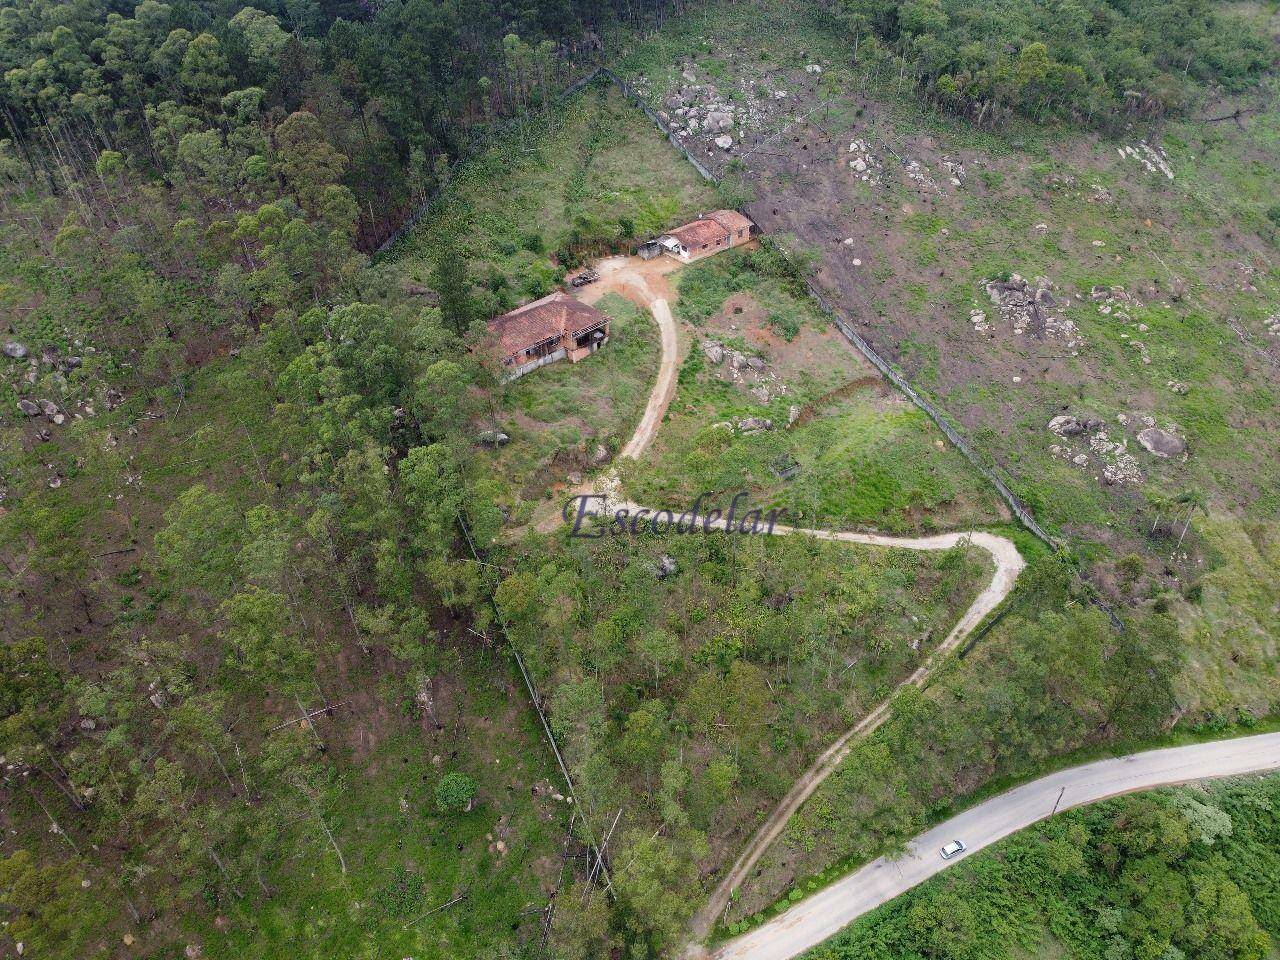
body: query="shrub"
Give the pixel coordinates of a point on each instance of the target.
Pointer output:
(455, 792)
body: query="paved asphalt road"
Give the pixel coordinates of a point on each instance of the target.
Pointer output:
(824, 914)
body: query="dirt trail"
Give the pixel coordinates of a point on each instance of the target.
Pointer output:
(1009, 564)
(632, 277)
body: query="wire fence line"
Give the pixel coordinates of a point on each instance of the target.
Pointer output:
(1015, 504)
(1010, 498)
(639, 101)
(592, 844)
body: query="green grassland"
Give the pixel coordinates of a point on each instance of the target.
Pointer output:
(1197, 253)
(595, 176)
(865, 457)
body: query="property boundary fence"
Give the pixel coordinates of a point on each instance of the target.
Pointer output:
(596, 848)
(1018, 508)
(652, 114)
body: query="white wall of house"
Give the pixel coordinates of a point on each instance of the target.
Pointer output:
(515, 373)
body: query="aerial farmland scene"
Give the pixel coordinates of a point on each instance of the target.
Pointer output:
(671, 480)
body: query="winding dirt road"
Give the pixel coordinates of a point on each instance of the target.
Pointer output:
(632, 277)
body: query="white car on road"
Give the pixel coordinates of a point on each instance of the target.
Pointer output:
(953, 849)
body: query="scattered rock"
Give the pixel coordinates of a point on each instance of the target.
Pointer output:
(719, 120)
(793, 414)
(863, 162)
(1066, 426)
(493, 438)
(813, 68)
(1030, 308)
(599, 455)
(956, 169)
(713, 351)
(1153, 158)
(667, 566)
(724, 142)
(750, 425)
(14, 350)
(1162, 443)
(88, 724)
(919, 174)
(29, 408)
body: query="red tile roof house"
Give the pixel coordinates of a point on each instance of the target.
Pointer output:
(553, 328)
(710, 233)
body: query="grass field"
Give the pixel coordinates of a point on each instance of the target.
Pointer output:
(596, 176)
(857, 454)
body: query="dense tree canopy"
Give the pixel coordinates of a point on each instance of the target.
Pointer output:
(1087, 60)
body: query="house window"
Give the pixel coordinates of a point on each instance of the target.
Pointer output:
(544, 348)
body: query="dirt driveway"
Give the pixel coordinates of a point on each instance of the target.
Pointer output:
(644, 282)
